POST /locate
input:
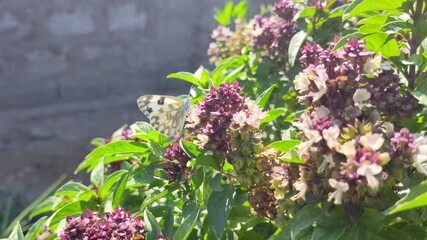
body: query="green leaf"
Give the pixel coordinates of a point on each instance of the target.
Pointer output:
(186, 76)
(420, 92)
(49, 204)
(223, 17)
(97, 142)
(417, 197)
(154, 197)
(152, 226)
(97, 175)
(361, 6)
(294, 46)
(382, 43)
(186, 227)
(34, 230)
(190, 148)
(169, 220)
(304, 219)
(262, 99)
(17, 233)
(110, 182)
(239, 10)
(284, 145)
(71, 189)
(219, 206)
(207, 160)
(73, 209)
(272, 115)
(308, 12)
(203, 76)
(119, 189)
(118, 147)
(330, 233)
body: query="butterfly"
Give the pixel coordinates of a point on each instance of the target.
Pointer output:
(166, 113)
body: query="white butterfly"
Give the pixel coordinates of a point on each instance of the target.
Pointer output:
(166, 113)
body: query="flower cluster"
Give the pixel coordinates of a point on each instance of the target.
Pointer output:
(177, 160)
(226, 42)
(350, 80)
(116, 225)
(272, 34)
(214, 115)
(349, 150)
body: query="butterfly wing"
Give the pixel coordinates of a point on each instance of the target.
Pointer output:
(166, 113)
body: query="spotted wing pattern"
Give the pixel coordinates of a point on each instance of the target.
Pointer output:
(166, 113)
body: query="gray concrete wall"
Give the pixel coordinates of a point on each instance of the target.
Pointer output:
(71, 70)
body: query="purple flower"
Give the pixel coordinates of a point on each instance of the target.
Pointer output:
(87, 226)
(216, 113)
(120, 225)
(177, 159)
(116, 225)
(403, 141)
(285, 9)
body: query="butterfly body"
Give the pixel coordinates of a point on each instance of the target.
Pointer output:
(166, 113)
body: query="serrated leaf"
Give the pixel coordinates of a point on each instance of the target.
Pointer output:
(262, 99)
(219, 206)
(417, 197)
(284, 145)
(186, 227)
(186, 76)
(294, 46)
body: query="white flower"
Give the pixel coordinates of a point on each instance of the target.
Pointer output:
(303, 150)
(312, 135)
(301, 82)
(360, 96)
(341, 187)
(319, 77)
(348, 149)
(372, 140)
(420, 156)
(327, 163)
(369, 171)
(201, 140)
(331, 135)
(372, 65)
(301, 187)
(240, 118)
(321, 112)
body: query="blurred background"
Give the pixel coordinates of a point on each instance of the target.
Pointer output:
(71, 70)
